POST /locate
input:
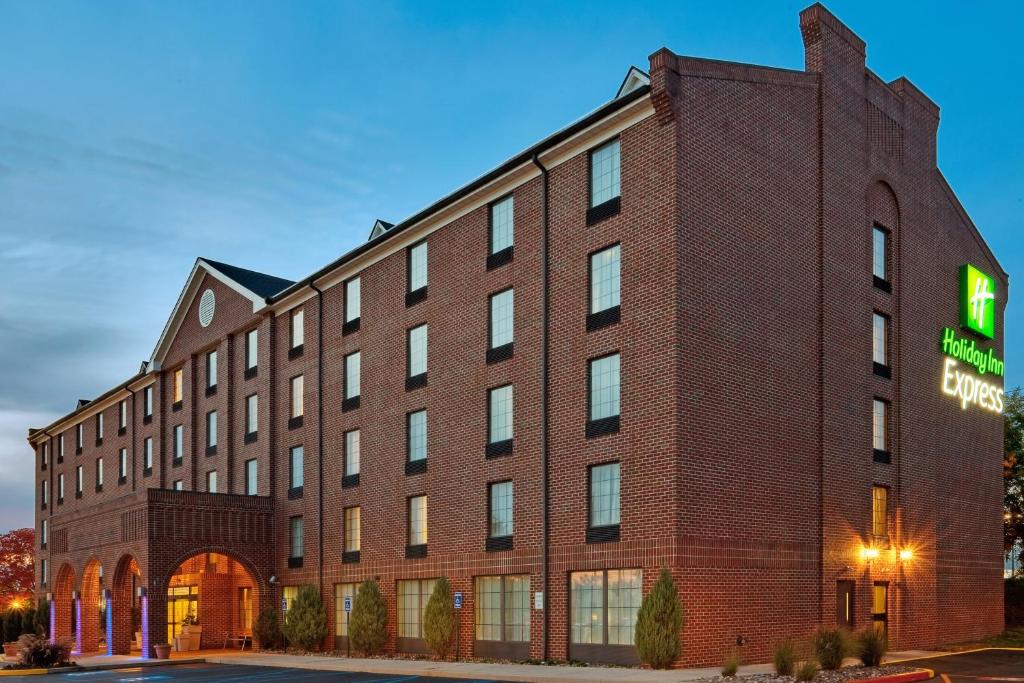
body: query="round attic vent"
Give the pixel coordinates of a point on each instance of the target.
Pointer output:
(207, 304)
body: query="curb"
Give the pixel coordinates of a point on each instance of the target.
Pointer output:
(908, 677)
(99, 667)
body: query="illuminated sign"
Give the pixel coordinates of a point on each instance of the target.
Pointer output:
(967, 350)
(977, 301)
(970, 390)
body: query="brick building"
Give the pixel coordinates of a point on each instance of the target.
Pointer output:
(700, 328)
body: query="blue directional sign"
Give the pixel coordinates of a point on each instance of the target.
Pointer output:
(458, 600)
(348, 603)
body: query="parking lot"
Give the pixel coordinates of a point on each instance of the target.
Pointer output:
(992, 666)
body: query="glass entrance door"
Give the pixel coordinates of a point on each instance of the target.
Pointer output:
(181, 601)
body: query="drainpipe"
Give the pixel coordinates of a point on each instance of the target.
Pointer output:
(544, 399)
(320, 428)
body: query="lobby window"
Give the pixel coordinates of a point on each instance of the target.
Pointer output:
(178, 485)
(603, 399)
(351, 457)
(604, 606)
(352, 519)
(417, 271)
(122, 416)
(605, 268)
(211, 481)
(342, 591)
(99, 474)
(416, 438)
(147, 402)
(412, 601)
(880, 513)
(296, 475)
(500, 510)
(502, 231)
(211, 372)
(880, 344)
(251, 352)
(353, 369)
(179, 444)
(298, 331)
(177, 387)
(501, 320)
(99, 428)
(122, 466)
(147, 454)
(251, 417)
(499, 420)
(417, 522)
(296, 402)
(503, 608)
(604, 182)
(604, 503)
(211, 432)
(251, 477)
(880, 266)
(353, 304)
(79, 481)
(295, 546)
(416, 357)
(880, 430)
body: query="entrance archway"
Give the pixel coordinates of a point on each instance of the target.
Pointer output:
(91, 612)
(125, 619)
(62, 619)
(219, 592)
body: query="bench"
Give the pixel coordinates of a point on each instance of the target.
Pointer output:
(240, 640)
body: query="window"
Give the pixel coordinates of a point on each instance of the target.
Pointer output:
(298, 331)
(288, 594)
(251, 415)
(880, 255)
(604, 173)
(353, 367)
(880, 430)
(60, 447)
(79, 480)
(99, 427)
(99, 474)
(416, 435)
(880, 343)
(417, 267)
(342, 591)
(79, 436)
(44, 571)
(418, 520)
(604, 395)
(296, 458)
(500, 517)
(417, 354)
(251, 351)
(122, 465)
(604, 495)
(60, 487)
(147, 401)
(499, 415)
(880, 512)
(211, 481)
(501, 320)
(352, 452)
(211, 431)
(147, 453)
(179, 442)
(296, 397)
(178, 485)
(45, 455)
(412, 600)
(605, 271)
(176, 385)
(501, 224)
(503, 608)
(45, 495)
(122, 416)
(353, 294)
(605, 606)
(44, 534)
(245, 609)
(295, 542)
(211, 370)
(353, 518)
(251, 478)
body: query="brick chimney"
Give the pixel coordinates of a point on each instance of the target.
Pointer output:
(829, 45)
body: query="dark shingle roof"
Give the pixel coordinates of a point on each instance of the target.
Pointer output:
(258, 283)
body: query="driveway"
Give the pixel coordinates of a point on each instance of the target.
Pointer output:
(988, 666)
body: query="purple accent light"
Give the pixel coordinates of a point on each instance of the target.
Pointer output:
(53, 621)
(110, 626)
(144, 609)
(78, 626)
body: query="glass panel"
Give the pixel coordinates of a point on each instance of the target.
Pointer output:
(298, 328)
(245, 609)
(297, 402)
(604, 173)
(288, 594)
(501, 224)
(624, 595)
(604, 387)
(878, 425)
(517, 608)
(250, 477)
(604, 279)
(417, 350)
(502, 306)
(251, 414)
(251, 349)
(296, 537)
(488, 608)
(879, 511)
(418, 520)
(211, 428)
(418, 266)
(296, 467)
(417, 435)
(352, 296)
(179, 442)
(878, 340)
(879, 265)
(342, 591)
(604, 494)
(353, 364)
(352, 452)
(352, 528)
(500, 419)
(587, 597)
(501, 509)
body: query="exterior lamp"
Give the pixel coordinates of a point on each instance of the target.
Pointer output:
(869, 553)
(906, 554)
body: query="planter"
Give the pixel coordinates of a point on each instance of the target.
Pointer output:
(162, 651)
(12, 653)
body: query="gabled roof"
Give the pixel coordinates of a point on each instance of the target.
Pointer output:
(379, 228)
(254, 286)
(635, 78)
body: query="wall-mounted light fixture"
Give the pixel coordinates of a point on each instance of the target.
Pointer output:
(869, 553)
(906, 554)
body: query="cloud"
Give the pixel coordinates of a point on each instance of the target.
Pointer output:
(17, 474)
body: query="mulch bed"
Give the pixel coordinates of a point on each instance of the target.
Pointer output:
(848, 673)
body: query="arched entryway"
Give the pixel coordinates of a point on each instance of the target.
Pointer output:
(92, 609)
(62, 615)
(218, 591)
(125, 632)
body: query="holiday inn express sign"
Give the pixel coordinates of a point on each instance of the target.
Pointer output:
(978, 316)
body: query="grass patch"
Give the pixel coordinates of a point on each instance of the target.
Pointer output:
(1013, 637)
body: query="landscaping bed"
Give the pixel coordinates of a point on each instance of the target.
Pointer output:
(847, 673)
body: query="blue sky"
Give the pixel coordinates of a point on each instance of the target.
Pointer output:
(137, 136)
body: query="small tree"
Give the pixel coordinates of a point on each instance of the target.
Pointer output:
(12, 626)
(267, 628)
(368, 622)
(28, 621)
(43, 618)
(658, 624)
(439, 619)
(305, 623)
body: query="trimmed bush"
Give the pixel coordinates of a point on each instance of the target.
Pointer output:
(12, 626)
(784, 657)
(368, 622)
(730, 666)
(807, 671)
(830, 646)
(305, 622)
(871, 646)
(439, 619)
(659, 623)
(267, 629)
(38, 652)
(28, 621)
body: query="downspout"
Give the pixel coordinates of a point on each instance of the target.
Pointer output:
(544, 399)
(320, 428)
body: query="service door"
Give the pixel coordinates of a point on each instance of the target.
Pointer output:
(845, 606)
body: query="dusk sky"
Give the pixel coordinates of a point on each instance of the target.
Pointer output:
(136, 136)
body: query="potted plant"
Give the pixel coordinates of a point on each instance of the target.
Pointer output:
(191, 632)
(162, 650)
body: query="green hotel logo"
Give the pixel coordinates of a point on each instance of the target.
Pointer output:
(977, 301)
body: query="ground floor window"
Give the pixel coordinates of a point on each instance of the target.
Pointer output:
(245, 609)
(604, 606)
(880, 607)
(412, 599)
(288, 595)
(503, 608)
(342, 591)
(181, 601)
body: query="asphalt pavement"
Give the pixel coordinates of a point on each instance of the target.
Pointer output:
(985, 666)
